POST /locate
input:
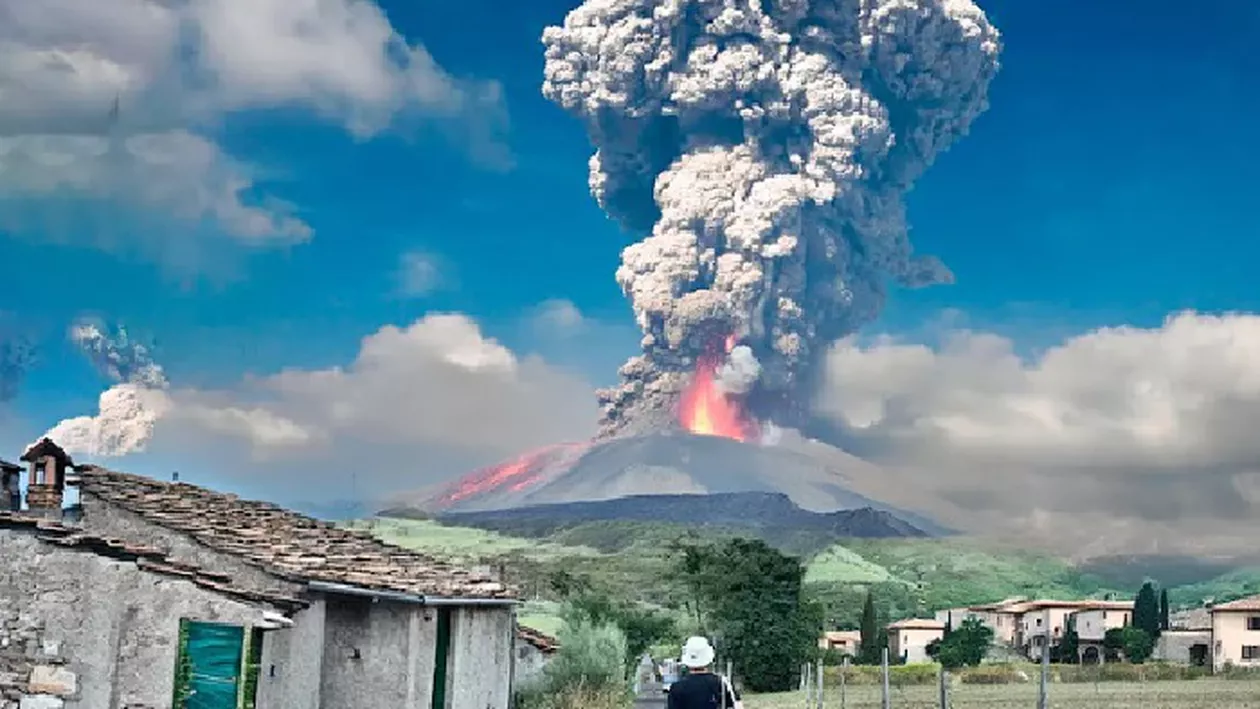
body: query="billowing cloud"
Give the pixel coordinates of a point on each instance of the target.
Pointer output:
(418, 404)
(1124, 430)
(112, 100)
(558, 317)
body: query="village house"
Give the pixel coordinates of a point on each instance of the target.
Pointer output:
(846, 642)
(1236, 633)
(1000, 617)
(159, 591)
(908, 639)
(1029, 626)
(1092, 624)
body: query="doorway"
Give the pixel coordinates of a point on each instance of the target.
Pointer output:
(216, 666)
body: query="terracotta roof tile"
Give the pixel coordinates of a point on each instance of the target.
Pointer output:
(1251, 603)
(286, 543)
(545, 643)
(146, 558)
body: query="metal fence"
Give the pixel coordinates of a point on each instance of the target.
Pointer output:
(1045, 686)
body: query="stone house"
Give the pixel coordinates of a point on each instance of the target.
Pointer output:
(184, 590)
(534, 650)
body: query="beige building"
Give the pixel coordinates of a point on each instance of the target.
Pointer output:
(908, 639)
(846, 642)
(1236, 633)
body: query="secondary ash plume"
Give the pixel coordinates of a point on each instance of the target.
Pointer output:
(128, 410)
(764, 148)
(116, 356)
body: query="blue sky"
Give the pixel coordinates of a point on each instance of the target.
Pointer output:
(1109, 183)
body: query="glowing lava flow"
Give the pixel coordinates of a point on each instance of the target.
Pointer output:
(706, 410)
(514, 475)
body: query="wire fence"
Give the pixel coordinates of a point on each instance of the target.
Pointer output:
(1019, 686)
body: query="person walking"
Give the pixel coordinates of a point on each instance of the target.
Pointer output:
(701, 689)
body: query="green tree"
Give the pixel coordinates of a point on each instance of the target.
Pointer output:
(870, 646)
(754, 605)
(964, 646)
(1163, 609)
(1146, 610)
(1068, 649)
(1137, 644)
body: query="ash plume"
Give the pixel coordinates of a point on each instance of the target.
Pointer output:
(128, 410)
(116, 356)
(764, 149)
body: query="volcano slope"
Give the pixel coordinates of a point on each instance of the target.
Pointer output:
(816, 477)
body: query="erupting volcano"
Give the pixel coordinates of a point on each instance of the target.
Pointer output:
(760, 153)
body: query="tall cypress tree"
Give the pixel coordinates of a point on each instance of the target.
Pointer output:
(1146, 610)
(1163, 609)
(868, 653)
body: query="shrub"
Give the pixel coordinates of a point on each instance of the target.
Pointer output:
(592, 658)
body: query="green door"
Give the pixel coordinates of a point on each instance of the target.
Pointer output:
(210, 662)
(441, 658)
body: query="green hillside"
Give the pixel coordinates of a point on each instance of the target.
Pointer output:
(632, 559)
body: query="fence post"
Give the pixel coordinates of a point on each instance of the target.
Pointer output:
(820, 685)
(809, 686)
(944, 688)
(844, 671)
(1043, 699)
(883, 666)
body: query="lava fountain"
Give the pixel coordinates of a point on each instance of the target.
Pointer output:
(705, 410)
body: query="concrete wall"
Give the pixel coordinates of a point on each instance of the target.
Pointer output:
(97, 633)
(107, 520)
(481, 657)
(912, 643)
(530, 662)
(292, 663)
(395, 644)
(1175, 645)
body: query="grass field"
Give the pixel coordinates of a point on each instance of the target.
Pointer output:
(1184, 694)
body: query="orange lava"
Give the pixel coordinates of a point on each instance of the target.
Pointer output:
(706, 411)
(516, 474)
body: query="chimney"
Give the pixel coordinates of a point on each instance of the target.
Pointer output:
(10, 487)
(46, 482)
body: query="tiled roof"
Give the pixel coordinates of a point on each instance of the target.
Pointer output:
(286, 543)
(1086, 605)
(6, 466)
(1251, 603)
(543, 642)
(146, 558)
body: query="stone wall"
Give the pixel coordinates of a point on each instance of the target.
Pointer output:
(108, 520)
(83, 631)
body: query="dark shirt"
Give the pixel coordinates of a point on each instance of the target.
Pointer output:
(700, 690)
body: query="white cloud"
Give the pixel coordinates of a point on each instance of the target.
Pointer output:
(558, 317)
(175, 68)
(419, 274)
(418, 404)
(1123, 424)
(176, 173)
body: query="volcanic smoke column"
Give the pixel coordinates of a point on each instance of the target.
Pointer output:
(764, 148)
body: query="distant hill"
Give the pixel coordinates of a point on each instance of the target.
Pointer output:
(768, 515)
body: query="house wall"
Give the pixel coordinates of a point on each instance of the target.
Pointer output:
(1005, 625)
(396, 648)
(1092, 625)
(1175, 645)
(292, 662)
(105, 519)
(481, 657)
(912, 643)
(1230, 635)
(530, 662)
(98, 633)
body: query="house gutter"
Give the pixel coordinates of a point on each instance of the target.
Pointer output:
(345, 589)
